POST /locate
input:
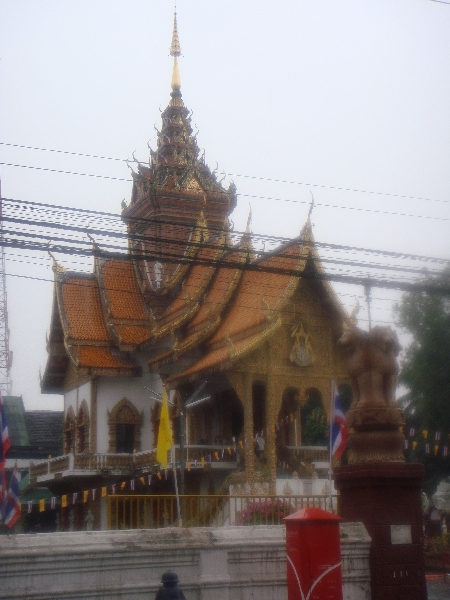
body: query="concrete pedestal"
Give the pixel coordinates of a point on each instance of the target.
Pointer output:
(386, 497)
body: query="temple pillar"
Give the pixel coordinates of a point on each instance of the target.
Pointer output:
(242, 384)
(273, 406)
(249, 452)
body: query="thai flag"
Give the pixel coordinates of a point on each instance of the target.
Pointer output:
(4, 436)
(12, 509)
(2, 486)
(339, 429)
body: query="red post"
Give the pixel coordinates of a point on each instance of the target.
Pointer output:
(313, 551)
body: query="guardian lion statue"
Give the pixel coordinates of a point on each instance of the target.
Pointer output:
(374, 418)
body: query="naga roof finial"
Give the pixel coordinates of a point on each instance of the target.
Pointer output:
(175, 51)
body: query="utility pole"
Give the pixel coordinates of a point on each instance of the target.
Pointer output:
(5, 354)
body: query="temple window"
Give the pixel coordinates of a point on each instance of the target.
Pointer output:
(124, 438)
(69, 431)
(124, 428)
(83, 428)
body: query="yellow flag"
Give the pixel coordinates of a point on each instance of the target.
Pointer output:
(216, 455)
(41, 505)
(85, 495)
(414, 445)
(103, 492)
(64, 501)
(164, 433)
(203, 461)
(425, 433)
(142, 480)
(123, 484)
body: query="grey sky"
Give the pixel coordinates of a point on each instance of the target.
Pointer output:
(349, 94)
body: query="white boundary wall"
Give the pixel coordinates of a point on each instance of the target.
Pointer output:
(229, 563)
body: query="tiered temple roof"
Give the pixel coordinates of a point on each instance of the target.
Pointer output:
(183, 289)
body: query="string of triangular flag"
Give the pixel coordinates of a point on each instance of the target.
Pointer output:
(433, 442)
(146, 480)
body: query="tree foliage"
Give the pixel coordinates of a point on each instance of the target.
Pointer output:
(425, 370)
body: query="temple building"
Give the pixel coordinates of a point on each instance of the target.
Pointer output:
(190, 305)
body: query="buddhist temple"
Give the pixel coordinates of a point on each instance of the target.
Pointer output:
(191, 306)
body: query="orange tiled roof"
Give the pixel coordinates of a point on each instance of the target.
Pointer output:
(82, 310)
(197, 279)
(259, 293)
(102, 358)
(221, 286)
(133, 335)
(122, 291)
(221, 357)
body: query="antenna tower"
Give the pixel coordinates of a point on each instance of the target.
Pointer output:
(5, 354)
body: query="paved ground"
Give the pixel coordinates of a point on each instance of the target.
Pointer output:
(438, 590)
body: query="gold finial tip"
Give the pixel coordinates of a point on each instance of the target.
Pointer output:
(175, 48)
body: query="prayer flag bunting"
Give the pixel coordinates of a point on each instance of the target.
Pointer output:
(85, 496)
(64, 501)
(41, 505)
(104, 491)
(53, 502)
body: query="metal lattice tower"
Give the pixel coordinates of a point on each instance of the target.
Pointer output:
(5, 354)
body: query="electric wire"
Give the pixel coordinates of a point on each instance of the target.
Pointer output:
(255, 177)
(317, 204)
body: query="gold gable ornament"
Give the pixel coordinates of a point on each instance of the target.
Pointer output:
(301, 353)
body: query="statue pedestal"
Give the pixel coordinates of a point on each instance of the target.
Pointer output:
(386, 497)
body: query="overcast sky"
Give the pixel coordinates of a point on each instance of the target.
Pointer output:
(326, 93)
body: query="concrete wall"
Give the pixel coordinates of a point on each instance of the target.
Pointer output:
(230, 563)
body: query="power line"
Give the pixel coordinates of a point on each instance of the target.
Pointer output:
(362, 280)
(317, 204)
(257, 177)
(87, 213)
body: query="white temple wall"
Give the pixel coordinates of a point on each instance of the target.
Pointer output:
(74, 398)
(110, 390)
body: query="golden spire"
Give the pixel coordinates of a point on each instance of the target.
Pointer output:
(175, 51)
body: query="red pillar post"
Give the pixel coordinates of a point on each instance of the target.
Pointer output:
(313, 552)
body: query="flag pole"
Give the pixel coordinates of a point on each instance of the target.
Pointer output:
(172, 455)
(330, 441)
